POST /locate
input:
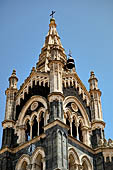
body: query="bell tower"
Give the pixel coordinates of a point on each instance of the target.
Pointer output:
(52, 122)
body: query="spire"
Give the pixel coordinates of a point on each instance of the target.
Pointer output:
(52, 43)
(52, 37)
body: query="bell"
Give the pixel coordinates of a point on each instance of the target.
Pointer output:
(70, 63)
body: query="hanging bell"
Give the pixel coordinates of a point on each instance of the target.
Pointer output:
(70, 63)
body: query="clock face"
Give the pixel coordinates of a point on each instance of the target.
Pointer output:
(31, 148)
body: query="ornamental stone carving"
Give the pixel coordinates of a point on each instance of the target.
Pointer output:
(34, 106)
(74, 107)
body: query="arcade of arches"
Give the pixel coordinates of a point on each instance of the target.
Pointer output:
(36, 116)
(37, 161)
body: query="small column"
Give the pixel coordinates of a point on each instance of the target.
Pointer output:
(77, 125)
(38, 120)
(31, 125)
(80, 167)
(71, 120)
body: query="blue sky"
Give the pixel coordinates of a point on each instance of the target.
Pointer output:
(85, 27)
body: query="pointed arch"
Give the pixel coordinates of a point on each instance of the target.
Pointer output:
(86, 163)
(27, 118)
(73, 152)
(33, 115)
(80, 106)
(39, 150)
(29, 102)
(38, 159)
(23, 159)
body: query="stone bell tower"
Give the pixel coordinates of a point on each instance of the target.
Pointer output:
(52, 122)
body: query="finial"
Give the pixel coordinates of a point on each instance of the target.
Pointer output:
(14, 72)
(53, 12)
(13, 80)
(52, 20)
(70, 53)
(92, 74)
(33, 69)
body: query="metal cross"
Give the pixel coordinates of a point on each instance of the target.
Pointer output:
(70, 53)
(53, 12)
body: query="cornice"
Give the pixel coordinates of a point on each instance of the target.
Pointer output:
(54, 123)
(15, 150)
(27, 80)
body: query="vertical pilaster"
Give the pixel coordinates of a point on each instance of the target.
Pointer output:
(57, 148)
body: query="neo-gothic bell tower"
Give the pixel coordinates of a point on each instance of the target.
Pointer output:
(53, 122)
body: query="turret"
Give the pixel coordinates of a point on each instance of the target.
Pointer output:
(10, 112)
(96, 111)
(95, 94)
(10, 97)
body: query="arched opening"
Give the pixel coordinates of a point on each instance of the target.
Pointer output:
(68, 123)
(24, 166)
(35, 127)
(41, 124)
(71, 162)
(85, 166)
(38, 163)
(80, 132)
(74, 130)
(27, 131)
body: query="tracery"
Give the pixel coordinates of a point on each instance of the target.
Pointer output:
(34, 119)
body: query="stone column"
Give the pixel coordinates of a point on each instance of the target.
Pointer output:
(77, 125)
(38, 120)
(31, 125)
(71, 120)
(80, 167)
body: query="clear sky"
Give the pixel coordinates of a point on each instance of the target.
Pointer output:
(85, 27)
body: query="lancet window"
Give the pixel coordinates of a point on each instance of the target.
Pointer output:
(32, 121)
(34, 126)
(35, 162)
(73, 119)
(27, 131)
(24, 166)
(38, 163)
(85, 166)
(73, 159)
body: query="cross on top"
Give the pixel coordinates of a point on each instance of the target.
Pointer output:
(53, 12)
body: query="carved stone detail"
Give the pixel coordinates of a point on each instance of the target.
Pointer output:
(34, 105)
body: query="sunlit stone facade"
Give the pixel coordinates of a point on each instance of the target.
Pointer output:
(53, 122)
